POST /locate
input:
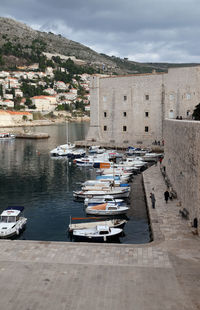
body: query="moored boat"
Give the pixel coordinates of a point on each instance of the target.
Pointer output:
(107, 209)
(63, 150)
(152, 156)
(117, 192)
(11, 222)
(6, 136)
(100, 200)
(97, 233)
(114, 223)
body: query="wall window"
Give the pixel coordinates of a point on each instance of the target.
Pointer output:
(171, 97)
(125, 98)
(124, 113)
(104, 98)
(188, 112)
(105, 114)
(105, 128)
(146, 128)
(124, 128)
(146, 114)
(188, 96)
(147, 97)
(171, 114)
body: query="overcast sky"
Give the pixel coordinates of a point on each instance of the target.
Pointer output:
(142, 30)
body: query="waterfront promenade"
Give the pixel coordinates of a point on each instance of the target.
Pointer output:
(164, 274)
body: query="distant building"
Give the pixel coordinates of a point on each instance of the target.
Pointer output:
(10, 118)
(129, 110)
(44, 103)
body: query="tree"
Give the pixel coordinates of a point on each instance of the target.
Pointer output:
(196, 112)
(1, 90)
(17, 101)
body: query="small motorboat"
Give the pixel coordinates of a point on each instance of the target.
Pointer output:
(96, 149)
(11, 222)
(6, 136)
(77, 153)
(98, 233)
(107, 209)
(114, 223)
(152, 156)
(116, 192)
(100, 200)
(63, 150)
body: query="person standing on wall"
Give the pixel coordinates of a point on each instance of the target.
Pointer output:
(166, 195)
(153, 200)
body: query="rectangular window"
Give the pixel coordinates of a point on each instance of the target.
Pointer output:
(124, 128)
(105, 114)
(125, 98)
(104, 98)
(124, 113)
(147, 97)
(171, 97)
(188, 96)
(146, 114)
(146, 128)
(105, 128)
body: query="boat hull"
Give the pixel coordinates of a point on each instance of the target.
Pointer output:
(106, 212)
(81, 236)
(82, 195)
(115, 223)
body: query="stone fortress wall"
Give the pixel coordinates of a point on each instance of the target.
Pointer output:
(130, 110)
(182, 162)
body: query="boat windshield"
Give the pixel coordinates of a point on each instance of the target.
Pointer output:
(103, 232)
(8, 219)
(112, 208)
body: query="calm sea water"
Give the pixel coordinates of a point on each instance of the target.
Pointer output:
(30, 177)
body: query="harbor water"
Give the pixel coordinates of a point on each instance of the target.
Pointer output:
(30, 177)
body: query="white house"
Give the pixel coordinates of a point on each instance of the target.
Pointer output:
(44, 103)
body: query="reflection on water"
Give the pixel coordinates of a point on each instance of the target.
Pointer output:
(43, 185)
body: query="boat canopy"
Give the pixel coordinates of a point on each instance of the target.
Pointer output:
(18, 208)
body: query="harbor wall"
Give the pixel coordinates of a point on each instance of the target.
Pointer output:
(182, 163)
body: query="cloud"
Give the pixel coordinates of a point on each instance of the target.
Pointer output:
(143, 30)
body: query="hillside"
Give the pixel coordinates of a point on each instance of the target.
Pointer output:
(21, 45)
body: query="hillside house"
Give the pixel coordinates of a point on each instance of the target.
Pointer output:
(44, 103)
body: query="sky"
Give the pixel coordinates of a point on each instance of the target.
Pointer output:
(142, 30)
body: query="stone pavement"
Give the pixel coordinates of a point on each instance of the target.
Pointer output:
(163, 274)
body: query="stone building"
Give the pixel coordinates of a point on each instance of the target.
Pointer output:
(129, 110)
(12, 118)
(44, 103)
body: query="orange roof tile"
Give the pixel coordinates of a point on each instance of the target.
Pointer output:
(18, 113)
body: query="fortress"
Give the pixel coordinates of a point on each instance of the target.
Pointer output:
(130, 110)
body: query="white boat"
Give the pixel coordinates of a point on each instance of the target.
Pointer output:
(96, 149)
(84, 162)
(114, 223)
(63, 150)
(77, 153)
(152, 156)
(6, 136)
(100, 200)
(97, 233)
(11, 222)
(122, 178)
(136, 151)
(117, 192)
(107, 209)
